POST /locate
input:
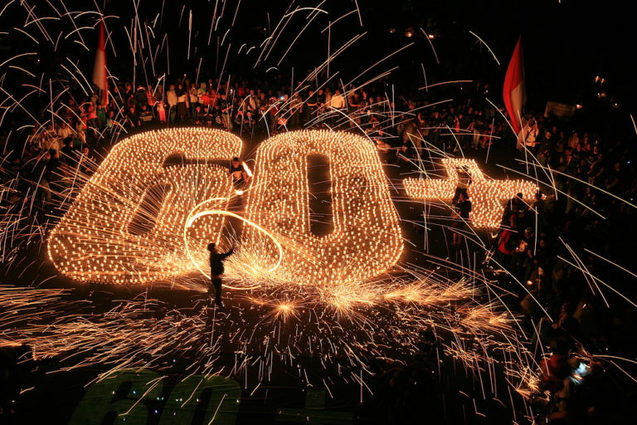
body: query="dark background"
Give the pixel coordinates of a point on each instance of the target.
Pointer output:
(566, 43)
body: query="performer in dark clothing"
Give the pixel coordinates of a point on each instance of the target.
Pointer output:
(216, 270)
(460, 214)
(238, 173)
(464, 181)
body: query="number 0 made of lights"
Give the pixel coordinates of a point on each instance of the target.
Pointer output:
(365, 238)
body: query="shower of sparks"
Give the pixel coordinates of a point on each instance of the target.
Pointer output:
(122, 221)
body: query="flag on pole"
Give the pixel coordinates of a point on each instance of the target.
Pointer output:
(513, 90)
(100, 75)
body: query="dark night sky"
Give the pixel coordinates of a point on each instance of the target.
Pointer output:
(566, 43)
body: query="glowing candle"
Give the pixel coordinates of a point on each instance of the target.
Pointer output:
(366, 238)
(487, 196)
(126, 225)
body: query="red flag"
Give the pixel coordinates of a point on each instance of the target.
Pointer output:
(513, 90)
(100, 75)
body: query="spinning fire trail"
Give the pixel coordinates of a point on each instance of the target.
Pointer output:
(109, 271)
(281, 264)
(144, 218)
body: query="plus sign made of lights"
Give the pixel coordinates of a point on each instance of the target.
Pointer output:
(132, 222)
(487, 195)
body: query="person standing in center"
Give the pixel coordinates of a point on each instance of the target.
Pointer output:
(238, 173)
(183, 102)
(171, 98)
(461, 209)
(338, 100)
(217, 270)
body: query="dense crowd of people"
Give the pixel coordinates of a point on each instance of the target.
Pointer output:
(562, 247)
(555, 248)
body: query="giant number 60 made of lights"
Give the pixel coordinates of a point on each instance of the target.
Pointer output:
(162, 195)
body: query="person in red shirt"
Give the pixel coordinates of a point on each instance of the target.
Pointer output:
(507, 243)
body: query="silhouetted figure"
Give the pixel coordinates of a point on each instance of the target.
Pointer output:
(216, 270)
(238, 173)
(460, 213)
(464, 181)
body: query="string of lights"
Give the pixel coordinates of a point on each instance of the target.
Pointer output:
(487, 195)
(365, 240)
(123, 228)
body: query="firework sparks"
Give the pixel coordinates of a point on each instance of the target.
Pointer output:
(142, 215)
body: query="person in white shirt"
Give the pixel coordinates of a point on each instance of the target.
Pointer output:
(193, 94)
(528, 135)
(338, 100)
(64, 131)
(171, 99)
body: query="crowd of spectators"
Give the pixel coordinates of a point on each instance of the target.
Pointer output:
(561, 248)
(555, 247)
(560, 256)
(84, 128)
